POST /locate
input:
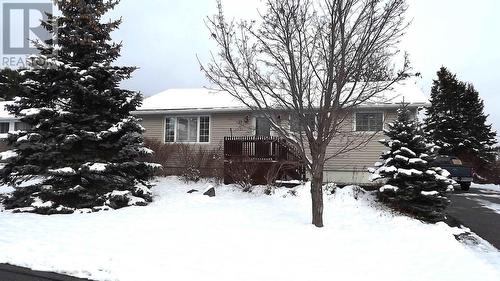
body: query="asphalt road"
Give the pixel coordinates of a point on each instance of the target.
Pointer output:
(16, 273)
(479, 210)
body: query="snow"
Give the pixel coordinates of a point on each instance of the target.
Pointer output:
(96, 167)
(191, 99)
(210, 186)
(4, 189)
(209, 99)
(493, 187)
(30, 111)
(153, 165)
(7, 154)
(490, 205)
(409, 172)
(388, 187)
(417, 161)
(429, 193)
(39, 203)
(244, 236)
(4, 114)
(23, 138)
(297, 182)
(408, 151)
(62, 171)
(401, 158)
(31, 181)
(146, 150)
(119, 193)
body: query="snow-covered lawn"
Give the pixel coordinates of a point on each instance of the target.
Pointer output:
(242, 236)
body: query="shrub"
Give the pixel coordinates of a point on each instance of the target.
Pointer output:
(240, 172)
(189, 162)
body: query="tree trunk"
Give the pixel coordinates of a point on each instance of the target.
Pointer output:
(317, 196)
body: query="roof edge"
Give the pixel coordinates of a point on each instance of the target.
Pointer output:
(244, 109)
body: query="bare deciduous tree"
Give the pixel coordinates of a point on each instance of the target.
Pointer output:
(310, 58)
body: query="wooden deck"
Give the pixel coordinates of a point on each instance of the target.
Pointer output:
(263, 159)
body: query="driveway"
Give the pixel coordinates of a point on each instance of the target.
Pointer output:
(479, 210)
(16, 273)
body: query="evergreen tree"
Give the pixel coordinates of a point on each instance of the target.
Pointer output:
(456, 122)
(83, 149)
(412, 185)
(10, 83)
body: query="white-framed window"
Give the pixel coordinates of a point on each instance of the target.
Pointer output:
(369, 121)
(187, 129)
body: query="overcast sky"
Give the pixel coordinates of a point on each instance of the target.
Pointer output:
(163, 37)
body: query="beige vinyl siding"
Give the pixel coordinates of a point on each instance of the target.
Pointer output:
(242, 124)
(221, 125)
(154, 125)
(226, 124)
(363, 157)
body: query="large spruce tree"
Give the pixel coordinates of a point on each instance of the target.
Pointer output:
(412, 184)
(456, 122)
(83, 148)
(10, 83)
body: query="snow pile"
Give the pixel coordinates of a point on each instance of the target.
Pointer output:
(492, 187)
(244, 236)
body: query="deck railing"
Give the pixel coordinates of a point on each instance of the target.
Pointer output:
(260, 148)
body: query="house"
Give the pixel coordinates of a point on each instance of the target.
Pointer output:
(9, 123)
(205, 118)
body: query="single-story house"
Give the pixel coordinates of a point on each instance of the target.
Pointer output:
(203, 118)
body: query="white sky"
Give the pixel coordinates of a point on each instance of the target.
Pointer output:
(163, 37)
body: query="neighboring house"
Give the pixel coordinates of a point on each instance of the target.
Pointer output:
(202, 118)
(9, 123)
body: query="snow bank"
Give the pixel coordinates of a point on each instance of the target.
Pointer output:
(244, 236)
(490, 205)
(492, 187)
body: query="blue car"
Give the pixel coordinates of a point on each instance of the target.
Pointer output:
(460, 172)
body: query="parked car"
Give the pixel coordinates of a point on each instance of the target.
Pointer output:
(460, 172)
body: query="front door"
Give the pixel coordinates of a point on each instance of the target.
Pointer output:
(262, 127)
